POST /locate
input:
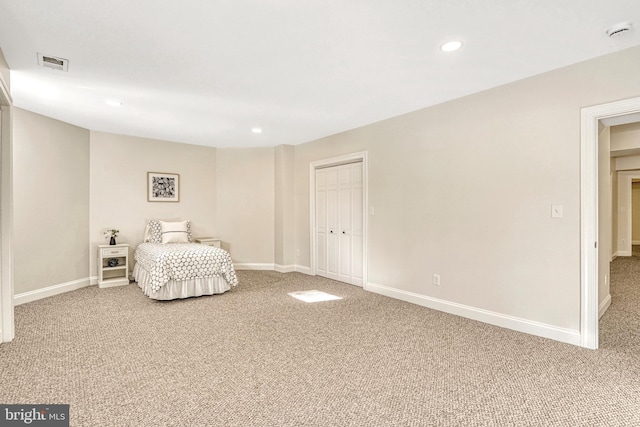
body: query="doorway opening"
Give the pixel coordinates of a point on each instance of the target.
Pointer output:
(615, 113)
(634, 231)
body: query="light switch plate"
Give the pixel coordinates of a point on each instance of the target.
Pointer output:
(556, 211)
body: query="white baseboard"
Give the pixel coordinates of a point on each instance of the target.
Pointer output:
(50, 291)
(253, 266)
(604, 305)
(273, 267)
(284, 268)
(304, 270)
(568, 336)
(613, 257)
(624, 253)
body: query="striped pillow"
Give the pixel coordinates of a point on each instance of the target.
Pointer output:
(174, 232)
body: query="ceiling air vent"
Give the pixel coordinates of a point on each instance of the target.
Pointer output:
(54, 62)
(619, 29)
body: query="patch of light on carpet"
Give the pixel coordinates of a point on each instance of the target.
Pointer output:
(313, 296)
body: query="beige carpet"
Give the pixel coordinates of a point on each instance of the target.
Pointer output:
(255, 356)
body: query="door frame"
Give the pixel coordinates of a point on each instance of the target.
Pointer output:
(7, 331)
(337, 161)
(589, 121)
(625, 181)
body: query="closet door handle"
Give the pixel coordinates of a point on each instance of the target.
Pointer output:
(331, 231)
(344, 232)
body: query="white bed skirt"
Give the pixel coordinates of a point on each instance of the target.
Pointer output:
(179, 289)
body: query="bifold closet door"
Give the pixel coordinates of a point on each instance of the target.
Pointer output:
(339, 223)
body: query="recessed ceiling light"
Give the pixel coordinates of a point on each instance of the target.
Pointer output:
(256, 130)
(451, 46)
(113, 102)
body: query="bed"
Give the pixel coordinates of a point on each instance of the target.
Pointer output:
(168, 266)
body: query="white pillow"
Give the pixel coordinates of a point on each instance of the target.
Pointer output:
(174, 232)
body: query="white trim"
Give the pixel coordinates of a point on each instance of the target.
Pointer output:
(7, 330)
(50, 291)
(254, 266)
(361, 156)
(604, 305)
(272, 267)
(614, 256)
(624, 253)
(544, 330)
(589, 120)
(304, 270)
(284, 268)
(93, 280)
(292, 268)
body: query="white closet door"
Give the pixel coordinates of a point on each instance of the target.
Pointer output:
(321, 222)
(332, 224)
(339, 223)
(357, 225)
(344, 215)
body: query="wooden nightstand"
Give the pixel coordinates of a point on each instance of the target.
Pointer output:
(113, 265)
(209, 241)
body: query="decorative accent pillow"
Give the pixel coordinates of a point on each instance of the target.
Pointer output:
(155, 231)
(174, 232)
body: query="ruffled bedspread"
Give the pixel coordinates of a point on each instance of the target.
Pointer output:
(182, 261)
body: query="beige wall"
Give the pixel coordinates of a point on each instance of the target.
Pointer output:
(447, 186)
(246, 194)
(107, 173)
(625, 137)
(119, 166)
(627, 163)
(284, 206)
(51, 201)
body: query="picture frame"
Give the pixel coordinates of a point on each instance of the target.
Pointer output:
(163, 187)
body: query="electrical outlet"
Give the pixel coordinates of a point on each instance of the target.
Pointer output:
(436, 280)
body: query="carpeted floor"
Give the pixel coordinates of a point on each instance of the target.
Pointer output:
(257, 357)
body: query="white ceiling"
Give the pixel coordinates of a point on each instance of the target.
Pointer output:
(208, 71)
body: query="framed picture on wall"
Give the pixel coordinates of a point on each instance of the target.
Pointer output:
(163, 187)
